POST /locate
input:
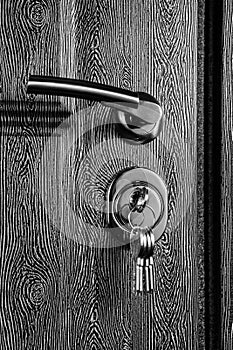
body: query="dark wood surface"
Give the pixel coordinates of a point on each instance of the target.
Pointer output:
(57, 293)
(227, 186)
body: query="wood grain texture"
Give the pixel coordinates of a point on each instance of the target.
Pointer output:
(57, 293)
(227, 185)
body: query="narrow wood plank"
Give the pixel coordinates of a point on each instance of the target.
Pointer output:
(29, 248)
(173, 31)
(227, 185)
(36, 281)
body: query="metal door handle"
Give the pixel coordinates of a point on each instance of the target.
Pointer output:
(138, 114)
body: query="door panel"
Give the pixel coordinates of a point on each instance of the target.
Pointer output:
(64, 286)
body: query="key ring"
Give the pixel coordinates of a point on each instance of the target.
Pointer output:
(145, 227)
(132, 210)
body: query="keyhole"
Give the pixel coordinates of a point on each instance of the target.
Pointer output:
(138, 199)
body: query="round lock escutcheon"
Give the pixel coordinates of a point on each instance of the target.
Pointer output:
(150, 214)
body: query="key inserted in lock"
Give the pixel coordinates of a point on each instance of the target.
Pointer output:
(137, 197)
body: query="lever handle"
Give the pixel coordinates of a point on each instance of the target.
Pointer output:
(80, 88)
(137, 113)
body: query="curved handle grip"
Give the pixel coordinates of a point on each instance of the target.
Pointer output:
(80, 88)
(138, 113)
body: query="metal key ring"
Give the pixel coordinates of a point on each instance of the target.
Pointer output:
(152, 237)
(141, 237)
(143, 216)
(145, 227)
(149, 244)
(143, 242)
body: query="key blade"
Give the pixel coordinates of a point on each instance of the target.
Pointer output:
(138, 274)
(147, 275)
(152, 275)
(141, 275)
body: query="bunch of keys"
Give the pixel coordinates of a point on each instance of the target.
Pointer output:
(144, 260)
(144, 244)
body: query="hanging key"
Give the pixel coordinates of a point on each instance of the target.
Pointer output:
(147, 261)
(137, 249)
(138, 266)
(138, 274)
(151, 261)
(142, 260)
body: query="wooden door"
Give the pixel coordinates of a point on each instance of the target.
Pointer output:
(58, 292)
